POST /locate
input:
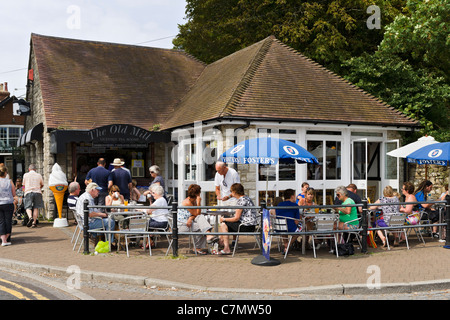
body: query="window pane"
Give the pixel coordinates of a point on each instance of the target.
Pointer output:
(333, 160)
(315, 172)
(391, 162)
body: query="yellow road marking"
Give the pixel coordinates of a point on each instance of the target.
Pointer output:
(14, 293)
(34, 293)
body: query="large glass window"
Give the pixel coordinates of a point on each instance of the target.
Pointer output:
(9, 137)
(328, 153)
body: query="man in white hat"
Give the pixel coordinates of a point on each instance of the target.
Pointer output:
(120, 178)
(92, 191)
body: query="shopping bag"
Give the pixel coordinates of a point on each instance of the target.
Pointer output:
(102, 247)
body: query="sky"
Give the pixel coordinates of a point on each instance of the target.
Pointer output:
(152, 23)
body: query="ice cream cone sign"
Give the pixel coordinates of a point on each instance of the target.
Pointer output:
(58, 184)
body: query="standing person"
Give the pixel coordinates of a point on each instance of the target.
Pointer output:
(120, 178)
(301, 195)
(33, 184)
(155, 172)
(7, 194)
(224, 179)
(100, 176)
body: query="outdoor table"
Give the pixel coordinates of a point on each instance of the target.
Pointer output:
(217, 214)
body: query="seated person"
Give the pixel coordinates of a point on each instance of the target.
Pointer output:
(158, 216)
(114, 198)
(193, 220)
(387, 211)
(18, 199)
(294, 213)
(135, 194)
(92, 191)
(421, 194)
(74, 191)
(346, 214)
(246, 217)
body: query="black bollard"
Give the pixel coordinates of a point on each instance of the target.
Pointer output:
(364, 225)
(175, 228)
(86, 226)
(447, 219)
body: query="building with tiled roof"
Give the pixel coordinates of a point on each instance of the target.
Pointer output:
(160, 106)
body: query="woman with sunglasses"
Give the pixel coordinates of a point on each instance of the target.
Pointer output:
(347, 215)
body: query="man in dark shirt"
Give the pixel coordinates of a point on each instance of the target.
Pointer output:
(120, 178)
(294, 213)
(100, 176)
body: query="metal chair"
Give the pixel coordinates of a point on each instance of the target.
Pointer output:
(166, 229)
(356, 233)
(397, 220)
(280, 225)
(80, 229)
(417, 230)
(257, 228)
(191, 238)
(137, 225)
(324, 223)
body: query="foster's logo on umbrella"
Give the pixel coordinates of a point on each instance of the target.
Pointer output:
(435, 153)
(291, 150)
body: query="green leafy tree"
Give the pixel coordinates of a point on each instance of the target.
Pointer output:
(410, 69)
(328, 32)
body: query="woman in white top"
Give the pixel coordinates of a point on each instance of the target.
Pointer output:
(158, 216)
(7, 194)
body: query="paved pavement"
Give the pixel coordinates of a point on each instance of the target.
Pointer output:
(423, 267)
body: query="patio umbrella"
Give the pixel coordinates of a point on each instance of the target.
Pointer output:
(439, 154)
(404, 151)
(268, 151)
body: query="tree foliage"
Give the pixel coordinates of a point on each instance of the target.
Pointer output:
(410, 69)
(328, 32)
(405, 63)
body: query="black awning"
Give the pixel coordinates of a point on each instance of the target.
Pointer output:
(118, 135)
(32, 135)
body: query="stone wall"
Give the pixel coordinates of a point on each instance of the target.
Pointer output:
(438, 175)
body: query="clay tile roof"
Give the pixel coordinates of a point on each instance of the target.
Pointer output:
(270, 80)
(88, 84)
